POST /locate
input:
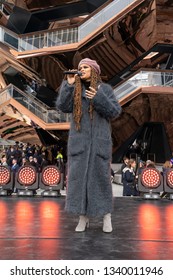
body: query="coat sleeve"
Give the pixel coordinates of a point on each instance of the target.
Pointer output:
(64, 100)
(105, 102)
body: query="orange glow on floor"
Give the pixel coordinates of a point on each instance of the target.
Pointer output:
(150, 221)
(3, 215)
(149, 229)
(49, 228)
(43, 224)
(49, 213)
(24, 216)
(168, 218)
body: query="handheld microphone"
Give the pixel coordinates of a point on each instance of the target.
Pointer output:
(73, 72)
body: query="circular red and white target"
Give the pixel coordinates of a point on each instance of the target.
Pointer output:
(51, 175)
(150, 178)
(26, 175)
(169, 177)
(4, 175)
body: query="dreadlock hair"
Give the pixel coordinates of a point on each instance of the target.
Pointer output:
(77, 111)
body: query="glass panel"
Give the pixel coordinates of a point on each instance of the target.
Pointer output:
(64, 36)
(34, 105)
(11, 40)
(144, 78)
(44, 40)
(102, 17)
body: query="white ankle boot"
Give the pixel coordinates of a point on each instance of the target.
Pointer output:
(83, 223)
(107, 225)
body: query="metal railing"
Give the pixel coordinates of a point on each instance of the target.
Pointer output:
(63, 36)
(51, 115)
(99, 19)
(144, 78)
(34, 105)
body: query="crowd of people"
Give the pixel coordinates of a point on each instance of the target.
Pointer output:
(26, 154)
(130, 172)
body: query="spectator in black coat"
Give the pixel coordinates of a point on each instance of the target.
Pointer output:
(129, 179)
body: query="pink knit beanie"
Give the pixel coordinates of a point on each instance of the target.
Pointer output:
(91, 63)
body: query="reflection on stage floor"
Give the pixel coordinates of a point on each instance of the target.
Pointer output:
(38, 228)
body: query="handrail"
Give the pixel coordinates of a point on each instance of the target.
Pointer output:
(64, 36)
(144, 78)
(41, 110)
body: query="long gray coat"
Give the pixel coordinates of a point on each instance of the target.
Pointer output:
(89, 189)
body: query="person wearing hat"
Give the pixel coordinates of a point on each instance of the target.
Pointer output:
(92, 105)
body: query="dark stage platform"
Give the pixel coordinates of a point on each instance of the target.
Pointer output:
(38, 229)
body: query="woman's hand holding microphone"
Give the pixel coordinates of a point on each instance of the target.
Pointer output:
(71, 74)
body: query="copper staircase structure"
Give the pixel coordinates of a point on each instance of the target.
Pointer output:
(138, 36)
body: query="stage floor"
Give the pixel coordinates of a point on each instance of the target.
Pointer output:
(39, 229)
